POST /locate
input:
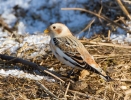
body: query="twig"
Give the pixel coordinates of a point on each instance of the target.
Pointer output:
(109, 34)
(54, 76)
(79, 93)
(128, 92)
(91, 22)
(23, 97)
(100, 12)
(67, 88)
(74, 96)
(100, 8)
(124, 80)
(100, 16)
(13, 96)
(89, 25)
(120, 19)
(123, 9)
(109, 56)
(5, 25)
(31, 64)
(83, 94)
(46, 89)
(106, 44)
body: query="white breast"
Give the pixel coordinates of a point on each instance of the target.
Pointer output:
(60, 55)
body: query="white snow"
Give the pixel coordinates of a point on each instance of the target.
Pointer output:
(9, 18)
(37, 39)
(121, 36)
(10, 44)
(21, 28)
(21, 74)
(34, 16)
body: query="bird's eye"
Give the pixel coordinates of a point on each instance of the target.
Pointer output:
(54, 27)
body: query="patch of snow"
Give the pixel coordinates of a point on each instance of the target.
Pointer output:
(10, 44)
(129, 25)
(34, 16)
(9, 19)
(21, 28)
(120, 31)
(3, 34)
(128, 38)
(21, 74)
(117, 38)
(121, 38)
(37, 39)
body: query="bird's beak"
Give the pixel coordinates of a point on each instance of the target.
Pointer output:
(46, 31)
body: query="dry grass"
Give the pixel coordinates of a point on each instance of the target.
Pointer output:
(112, 59)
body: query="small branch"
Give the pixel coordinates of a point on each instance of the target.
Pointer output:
(85, 95)
(100, 9)
(109, 34)
(79, 93)
(5, 25)
(67, 89)
(100, 12)
(88, 26)
(127, 92)
(31, 64)
(106, 44)
(100, 16)
(111, 55)
(54, 76)
(123, 9)
(46, 89)
(120, 19)
(124, 80)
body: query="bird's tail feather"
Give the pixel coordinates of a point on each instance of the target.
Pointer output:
(106, 78)
(100, 72)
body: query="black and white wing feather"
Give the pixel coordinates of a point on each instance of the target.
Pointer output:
(69, 47)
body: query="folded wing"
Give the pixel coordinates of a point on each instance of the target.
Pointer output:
(79, 55)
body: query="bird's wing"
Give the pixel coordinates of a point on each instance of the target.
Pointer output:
(80, 57)
(69, 49)
(74, 50)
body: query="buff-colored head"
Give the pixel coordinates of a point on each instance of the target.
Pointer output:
(57, 30)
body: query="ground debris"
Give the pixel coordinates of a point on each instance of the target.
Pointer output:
(111, 59)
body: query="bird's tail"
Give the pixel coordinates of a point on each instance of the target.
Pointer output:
(103, 75)
(106, 78)
(100, 72)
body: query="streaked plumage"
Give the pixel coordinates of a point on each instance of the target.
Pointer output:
(71, 51)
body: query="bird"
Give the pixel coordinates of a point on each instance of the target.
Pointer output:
(70, 51)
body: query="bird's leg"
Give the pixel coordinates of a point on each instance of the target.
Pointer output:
(70, 73)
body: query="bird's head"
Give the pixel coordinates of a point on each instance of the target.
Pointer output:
(57, 30)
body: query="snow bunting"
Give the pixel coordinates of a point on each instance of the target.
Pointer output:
(70, 51)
